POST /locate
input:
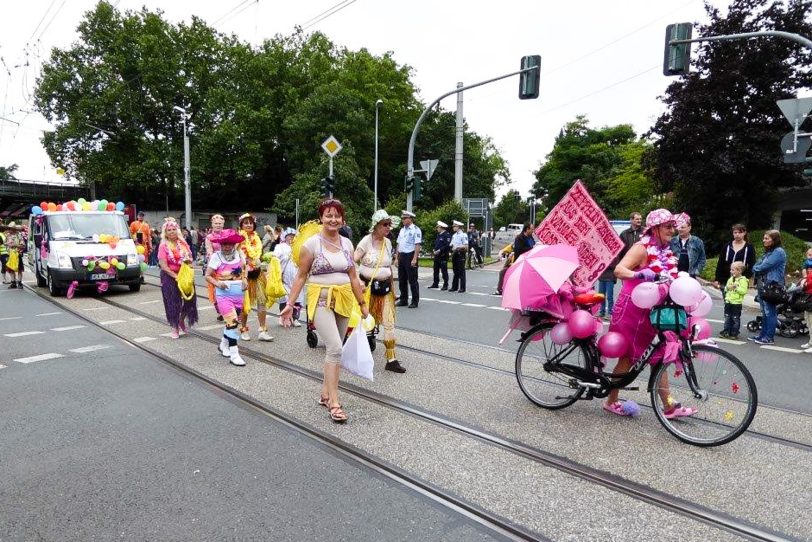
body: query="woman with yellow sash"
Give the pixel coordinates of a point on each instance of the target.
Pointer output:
(326, 266)
(251, 248)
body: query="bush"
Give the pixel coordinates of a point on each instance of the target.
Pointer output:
(427, 221)
(709, 273)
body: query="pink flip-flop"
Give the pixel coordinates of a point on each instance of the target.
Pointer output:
(72, 289)
(616, 408)
(679, 411)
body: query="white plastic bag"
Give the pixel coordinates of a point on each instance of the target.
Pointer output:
(356, 357)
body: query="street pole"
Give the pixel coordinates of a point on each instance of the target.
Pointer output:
(375, 200)
(187, 185)
(458, 149)
(413, 138)
(297, 213)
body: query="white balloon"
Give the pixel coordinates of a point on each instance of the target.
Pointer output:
(645, 295)
(685, 291)
(702, 308)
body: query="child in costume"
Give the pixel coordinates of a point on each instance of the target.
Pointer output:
(284, 253)
(226, 272)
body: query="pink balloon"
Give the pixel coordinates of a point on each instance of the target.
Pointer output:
(560, 334)
(701, 309)
(685, 291)
(645, 295)
(613, 345)
(581, 324)
(705, 329)
(598, 326)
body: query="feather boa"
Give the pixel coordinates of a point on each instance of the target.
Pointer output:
(659, 259)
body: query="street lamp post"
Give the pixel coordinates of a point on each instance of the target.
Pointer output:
(187, 187)
(378, 104)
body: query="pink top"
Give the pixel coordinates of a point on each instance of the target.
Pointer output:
(173, 258)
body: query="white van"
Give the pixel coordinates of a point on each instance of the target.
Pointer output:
(58, 241)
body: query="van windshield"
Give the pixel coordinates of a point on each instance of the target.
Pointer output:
(85, 226)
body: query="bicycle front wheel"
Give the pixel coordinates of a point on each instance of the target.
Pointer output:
(547, 387)
(716, 385)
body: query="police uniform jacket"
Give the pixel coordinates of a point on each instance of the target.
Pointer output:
(442, 245)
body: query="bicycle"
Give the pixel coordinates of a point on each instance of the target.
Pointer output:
(709, 379)
(474, 260)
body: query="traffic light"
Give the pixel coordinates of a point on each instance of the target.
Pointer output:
(418, 189)
(529, 80)
(410, 182)
(677, 58)
(328, 185)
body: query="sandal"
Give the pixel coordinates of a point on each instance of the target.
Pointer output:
(617, 409)
(679, 411)
(324, 401)
(337, 414)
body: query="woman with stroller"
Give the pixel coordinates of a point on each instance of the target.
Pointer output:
(374, 257)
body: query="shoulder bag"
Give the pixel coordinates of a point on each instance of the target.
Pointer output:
(773, 292)
(379, 288)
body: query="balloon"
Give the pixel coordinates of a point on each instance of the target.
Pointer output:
(104, 265)
(36, 210)
(143, 267)
(84, 263)
(140, 258)
(111, 206)
(52, 206)
(581, 324)
(91, 266)
(101, 206)
(120, 206)
(705, 329)
(120, 266)
(140, 249)
(685, 291)
(645, 295)
(59, 207)
(95, 237)
(560, 334)
(702, 308)
(613, 345)
(86, 206)
(81, 201)
(43, 205)
(114, 261)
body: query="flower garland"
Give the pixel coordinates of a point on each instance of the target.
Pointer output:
(659, 259)
(252, 246)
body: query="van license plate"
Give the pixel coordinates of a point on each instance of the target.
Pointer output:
(100, 276)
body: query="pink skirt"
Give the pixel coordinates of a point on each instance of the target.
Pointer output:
(631, 321)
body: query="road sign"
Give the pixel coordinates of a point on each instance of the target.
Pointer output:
(331, 146)
(429, 167)
(795, 154)
(476, 206)
(795, 109)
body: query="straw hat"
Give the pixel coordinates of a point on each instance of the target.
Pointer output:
(381, 215)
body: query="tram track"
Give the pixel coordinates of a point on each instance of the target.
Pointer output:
(674, 504)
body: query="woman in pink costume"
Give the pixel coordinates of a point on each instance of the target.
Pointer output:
(646, 260)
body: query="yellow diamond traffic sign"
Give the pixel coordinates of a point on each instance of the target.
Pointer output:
(331, 146)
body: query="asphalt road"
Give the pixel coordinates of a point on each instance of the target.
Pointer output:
(102, 441)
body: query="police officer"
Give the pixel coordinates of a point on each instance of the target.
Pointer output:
(459, 248)
(442, 246)
(409, 239)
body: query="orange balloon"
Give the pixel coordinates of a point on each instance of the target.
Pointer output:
(111, 206)
(43, 205)
(52, 206)
(59, 207)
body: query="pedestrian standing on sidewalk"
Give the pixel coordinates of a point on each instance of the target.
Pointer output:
(327, 268)
(459, 248)
(15, 246)
(3, 254)
(735, 290)
(689, 249)
(606, 286)
(212, 246)
(737, 250)
(376, 269)
(268, 239)
(409, 240)
(807, 285)
(442, 247)
(172, 252)
(226, 272)
(505, 256)
(632, 234)
(771, 268)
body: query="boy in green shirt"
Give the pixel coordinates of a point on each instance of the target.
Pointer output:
(735, 289)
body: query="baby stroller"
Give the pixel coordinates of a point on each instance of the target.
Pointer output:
(790, 311)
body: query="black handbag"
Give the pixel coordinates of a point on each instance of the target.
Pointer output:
(773, 293)
(254, 274)
(380, 287)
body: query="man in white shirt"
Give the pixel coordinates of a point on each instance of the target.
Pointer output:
(459, 248)
(409, 240)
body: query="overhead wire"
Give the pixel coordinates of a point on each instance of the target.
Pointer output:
(324, 15)
(229, 12)
(41, 19)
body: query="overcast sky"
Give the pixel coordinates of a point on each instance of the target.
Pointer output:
(602, 59)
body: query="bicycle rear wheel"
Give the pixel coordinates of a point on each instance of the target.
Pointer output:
(546, 387)
(725, 398)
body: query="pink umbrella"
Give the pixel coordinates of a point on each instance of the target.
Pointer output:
(537, 275)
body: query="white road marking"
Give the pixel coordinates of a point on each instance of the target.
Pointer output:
(449, 302)
(478, 293)
(715, 321)
(111, 322)
(167, 335)
(208, 308)
(48, 314)
(729, 341)
(11, 318)
(24, 333)
(2, 366)
(473, 305)
(498, 308)
(137, 318)
(421, 299)
(144, 339)
(209, 328)
(91, 348)
(94, 308)
(41, 357)
(782, 349)
(66, 328)
(148, 302)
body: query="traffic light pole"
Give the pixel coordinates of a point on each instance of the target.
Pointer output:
(410, 158)
(747, 35)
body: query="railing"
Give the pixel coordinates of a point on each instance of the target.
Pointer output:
(36, 190)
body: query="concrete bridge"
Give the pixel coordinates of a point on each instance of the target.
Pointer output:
(18, 195)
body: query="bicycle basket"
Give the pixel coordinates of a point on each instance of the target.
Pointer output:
(668, 317)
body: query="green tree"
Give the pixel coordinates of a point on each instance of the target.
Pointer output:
(7, 172)
(718, 143)
(511, 209)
